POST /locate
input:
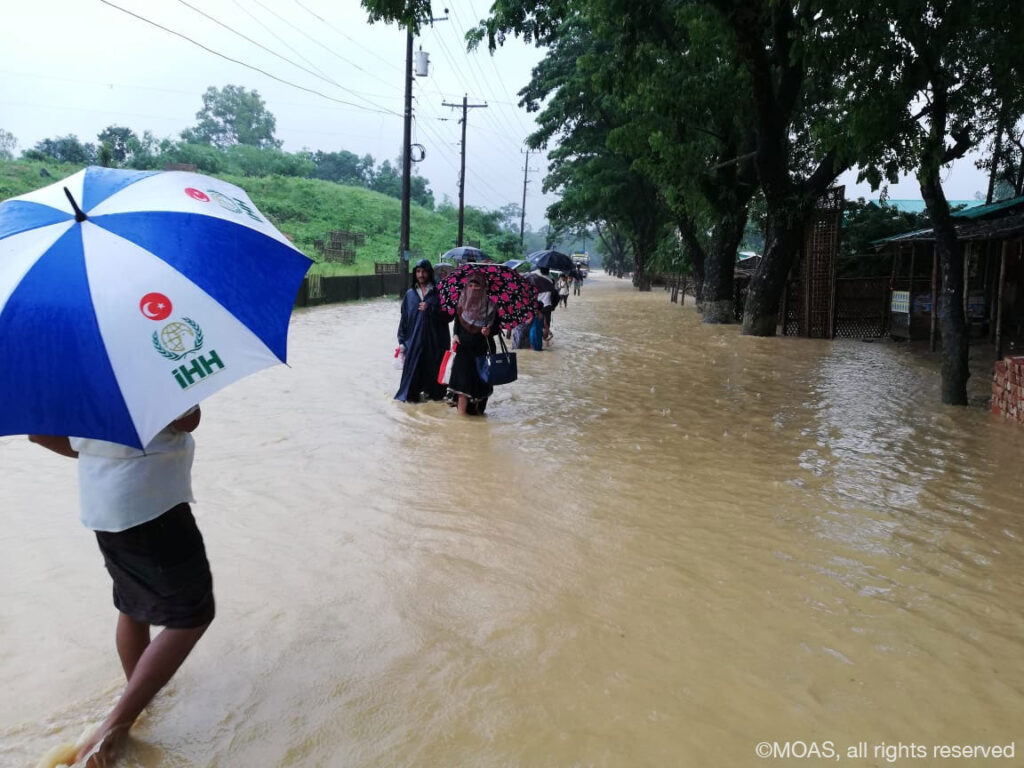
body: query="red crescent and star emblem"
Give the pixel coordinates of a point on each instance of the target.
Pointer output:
(155, 306)
(196, 194)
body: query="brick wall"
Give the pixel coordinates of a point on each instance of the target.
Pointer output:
(1008, 389)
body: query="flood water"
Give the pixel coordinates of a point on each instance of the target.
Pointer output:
(665, 544)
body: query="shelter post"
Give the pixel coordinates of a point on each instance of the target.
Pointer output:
(785, 304)
(910, 274)
(935, 297)
(999, 300)
(968, 250)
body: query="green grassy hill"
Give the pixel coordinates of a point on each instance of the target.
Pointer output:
(306, 210)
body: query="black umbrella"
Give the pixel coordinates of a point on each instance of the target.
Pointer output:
(466, 253)
(551, 260)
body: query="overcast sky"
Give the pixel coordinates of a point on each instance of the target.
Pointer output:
(77, 66)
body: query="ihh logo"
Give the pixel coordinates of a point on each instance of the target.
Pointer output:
(201, 367)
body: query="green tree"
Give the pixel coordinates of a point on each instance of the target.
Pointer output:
(948, 61)
(63, 149)
(411, 14)
(252, 161)
(233, 115)
(420, 193)
(864, 223)
(387, 180)
(121, 142)
(8, 144)
(595, 176)
(342, 167)
(688, 124)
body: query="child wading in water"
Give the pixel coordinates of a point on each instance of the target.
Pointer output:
(137, 502)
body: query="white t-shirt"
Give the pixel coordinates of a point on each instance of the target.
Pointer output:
(120, 487)
(546, 297)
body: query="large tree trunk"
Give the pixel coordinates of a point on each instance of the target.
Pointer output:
(693, 246)
(761, 310)
(641, 280)
(719, 297)
(952, 324)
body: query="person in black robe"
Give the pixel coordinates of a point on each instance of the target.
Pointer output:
(475, 324)
(423, 337)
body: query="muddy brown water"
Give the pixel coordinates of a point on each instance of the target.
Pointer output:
(665, 544)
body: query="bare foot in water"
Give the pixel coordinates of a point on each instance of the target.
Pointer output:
(103, 748)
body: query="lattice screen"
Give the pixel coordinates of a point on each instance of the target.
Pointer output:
(821, 245)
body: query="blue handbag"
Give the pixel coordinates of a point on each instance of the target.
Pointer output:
(498, 368)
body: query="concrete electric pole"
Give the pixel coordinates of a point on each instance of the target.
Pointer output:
(462, 173)
(522, 210)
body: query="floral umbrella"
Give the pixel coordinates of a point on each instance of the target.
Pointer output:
(512, 295)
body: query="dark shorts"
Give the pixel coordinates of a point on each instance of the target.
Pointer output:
(160, 572)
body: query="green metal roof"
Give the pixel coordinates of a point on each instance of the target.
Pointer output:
(980, 211)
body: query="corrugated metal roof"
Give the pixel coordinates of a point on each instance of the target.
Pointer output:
(981, 211)
(1009, 226)
(971, 229)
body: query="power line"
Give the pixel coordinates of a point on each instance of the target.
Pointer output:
(347, 37)
(325, 47)
(474, 66)
(277, 37)
(275, 53)
(247, 66)
(483, 183)
(160, 90)
(501, 82)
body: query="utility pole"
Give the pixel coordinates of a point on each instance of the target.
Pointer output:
(462, 173)
(403, 237)
(403, 234)
(522, 210)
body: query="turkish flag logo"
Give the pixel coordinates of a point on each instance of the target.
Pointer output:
(196, 194)
(155, 306)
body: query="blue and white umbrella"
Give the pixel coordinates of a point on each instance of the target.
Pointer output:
(126, 297)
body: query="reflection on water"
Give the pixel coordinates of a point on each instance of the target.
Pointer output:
(664, 544)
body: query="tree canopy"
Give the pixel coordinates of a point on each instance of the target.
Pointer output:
(233, 115)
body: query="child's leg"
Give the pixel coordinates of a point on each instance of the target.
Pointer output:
(154, 668)
(132, 641)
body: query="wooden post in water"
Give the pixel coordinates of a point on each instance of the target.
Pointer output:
(910, 275)
(967, 280)
(999, 299)
(785, 303)
(935, 297)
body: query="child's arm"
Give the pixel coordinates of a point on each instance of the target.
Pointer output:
(56, 443)
(189, 421)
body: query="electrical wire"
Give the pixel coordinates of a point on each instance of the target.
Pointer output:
(347, 37)
(327, 48)
(248, 66)
(486, 87)
(275, 53)
(277, 37)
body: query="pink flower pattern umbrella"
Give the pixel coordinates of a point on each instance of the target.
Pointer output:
(512, 296)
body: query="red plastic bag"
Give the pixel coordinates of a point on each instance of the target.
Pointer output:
(445, 372)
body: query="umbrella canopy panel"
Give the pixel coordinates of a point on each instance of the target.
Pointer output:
(465, 253)
(172, 287)
(551, 260)
(507, 289)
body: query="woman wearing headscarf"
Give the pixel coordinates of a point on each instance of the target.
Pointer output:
(423, 337)
(474, 324)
